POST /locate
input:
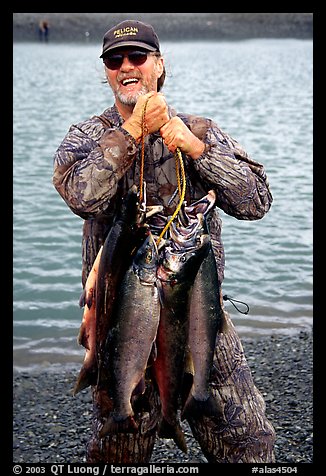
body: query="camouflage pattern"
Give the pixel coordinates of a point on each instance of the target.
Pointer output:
(95, 165)
(97, 162)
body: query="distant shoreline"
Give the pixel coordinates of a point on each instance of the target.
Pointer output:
(90, 27)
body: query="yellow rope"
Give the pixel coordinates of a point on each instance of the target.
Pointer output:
(179, 169)
(179, 163)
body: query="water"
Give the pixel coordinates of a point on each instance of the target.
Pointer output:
(259, 91)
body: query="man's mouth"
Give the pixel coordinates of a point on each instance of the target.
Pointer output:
(129, 81)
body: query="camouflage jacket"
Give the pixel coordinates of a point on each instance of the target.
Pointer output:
(97, 163)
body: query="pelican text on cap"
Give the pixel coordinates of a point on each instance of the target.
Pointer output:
(129, 30)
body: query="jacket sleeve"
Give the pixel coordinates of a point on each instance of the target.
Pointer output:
(89, 164)
(240, 183)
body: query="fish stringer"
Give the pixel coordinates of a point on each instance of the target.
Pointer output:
(180, 173)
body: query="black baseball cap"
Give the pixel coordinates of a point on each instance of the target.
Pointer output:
(130, 33)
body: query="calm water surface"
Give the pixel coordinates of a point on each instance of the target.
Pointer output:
(259, 91)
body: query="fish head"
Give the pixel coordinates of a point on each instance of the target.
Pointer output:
(179, 264)
(188, 236)
(146, 259)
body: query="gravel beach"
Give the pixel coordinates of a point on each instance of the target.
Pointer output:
(51, 426)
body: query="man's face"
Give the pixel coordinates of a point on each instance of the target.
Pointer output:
(131, 79)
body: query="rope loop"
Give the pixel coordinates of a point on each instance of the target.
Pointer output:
(232, 301)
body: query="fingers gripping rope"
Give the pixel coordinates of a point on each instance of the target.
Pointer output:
(180, 173)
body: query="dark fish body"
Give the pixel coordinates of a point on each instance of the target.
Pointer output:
(133, 327)
(123, 238)
(205, 315)
(177, 271)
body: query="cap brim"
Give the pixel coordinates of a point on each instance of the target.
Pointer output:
(128, 43)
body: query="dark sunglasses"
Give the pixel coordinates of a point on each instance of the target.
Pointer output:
(136, 58)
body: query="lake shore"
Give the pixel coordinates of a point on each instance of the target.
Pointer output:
(50, 426)
(90, 27)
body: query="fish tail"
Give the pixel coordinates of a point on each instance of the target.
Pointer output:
(196, 408)
(118, 424)
(175, 432)
(86, 378)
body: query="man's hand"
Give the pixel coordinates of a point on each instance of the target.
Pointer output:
(175, 134)
(156, 115)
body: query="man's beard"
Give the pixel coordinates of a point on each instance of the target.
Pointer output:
(130, 99)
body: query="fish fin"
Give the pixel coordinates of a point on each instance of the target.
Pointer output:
(89, 297)
(82, 338)
(187, 383)
(140, 388)
(166, 430)
(82, 298)
(118, 424)
(188, 376)
(195, 408)
(223, 328)
(86, 378)
(153, 355)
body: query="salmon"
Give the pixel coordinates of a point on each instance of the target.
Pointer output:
(205, 313)
(205, 318)
(87, 332)
(177, 270)
(133, 328)
(123, 239)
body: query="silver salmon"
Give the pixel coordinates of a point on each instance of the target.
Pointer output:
(123, 239)
(177, 271)
(205, 317)
(133, 328)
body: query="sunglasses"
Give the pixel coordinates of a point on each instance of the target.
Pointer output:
(136, 58)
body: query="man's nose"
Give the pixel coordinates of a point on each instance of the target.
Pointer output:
(126, 64)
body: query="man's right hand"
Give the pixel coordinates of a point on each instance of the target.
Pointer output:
(155, 117)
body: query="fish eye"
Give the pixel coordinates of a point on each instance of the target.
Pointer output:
(182, 258)
(149, 254)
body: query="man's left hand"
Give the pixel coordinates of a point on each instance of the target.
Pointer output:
(175, 134)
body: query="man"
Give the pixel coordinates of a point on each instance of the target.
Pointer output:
(95, 165)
